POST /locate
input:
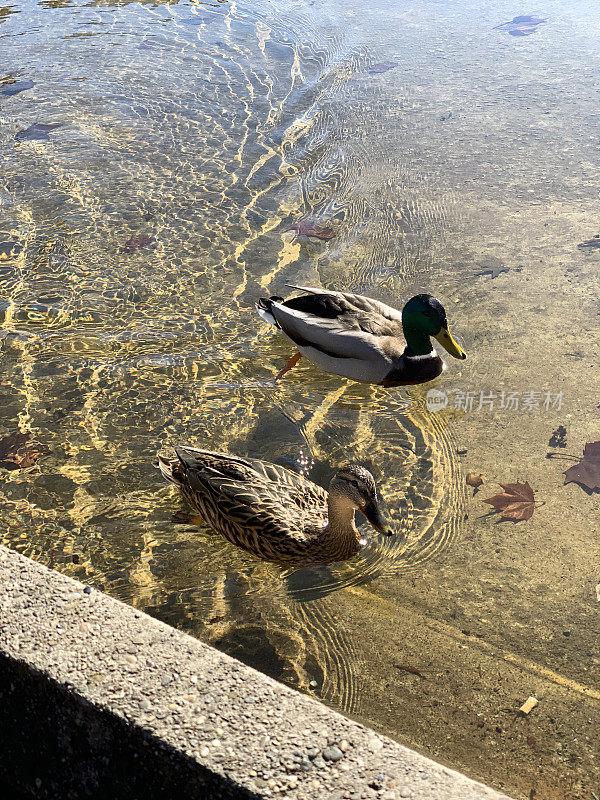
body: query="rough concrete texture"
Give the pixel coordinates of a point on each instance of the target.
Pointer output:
(99, 700)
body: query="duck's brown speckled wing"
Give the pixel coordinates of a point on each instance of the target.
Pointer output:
(261, 507)
(304, 492)
(282, 482)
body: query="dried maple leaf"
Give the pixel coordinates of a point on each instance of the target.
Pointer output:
(517, 502)
(18, 452)
(587, 472)
(307, 228)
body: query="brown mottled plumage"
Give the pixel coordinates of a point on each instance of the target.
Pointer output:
(273, 512)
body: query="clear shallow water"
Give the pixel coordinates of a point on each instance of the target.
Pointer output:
(211, 129)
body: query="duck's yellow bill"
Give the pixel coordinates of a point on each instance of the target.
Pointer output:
(448, 343)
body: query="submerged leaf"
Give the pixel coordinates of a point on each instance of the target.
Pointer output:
(559, 437)
(494, 271)
(382, 66)
(524, 25)
(516, 503)
(39, 130)
(305, 227)
(17, 451)
(590, 244)
(14, 87)
(133, 244)
(587, 472)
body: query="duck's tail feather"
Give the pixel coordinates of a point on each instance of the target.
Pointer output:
(264, 308)
(166, 469)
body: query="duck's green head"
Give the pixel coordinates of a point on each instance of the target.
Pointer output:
(424, 316)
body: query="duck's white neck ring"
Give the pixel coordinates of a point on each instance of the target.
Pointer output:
(422, 357)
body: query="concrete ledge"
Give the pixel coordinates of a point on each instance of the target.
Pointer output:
(98, 700)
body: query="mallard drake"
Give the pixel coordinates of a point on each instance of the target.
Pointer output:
(362, 339)
(273, 512)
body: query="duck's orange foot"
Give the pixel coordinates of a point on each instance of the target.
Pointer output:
(183, 518)
(291, 363)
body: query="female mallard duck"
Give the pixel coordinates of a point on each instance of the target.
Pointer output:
(273, 512)
(361, 338)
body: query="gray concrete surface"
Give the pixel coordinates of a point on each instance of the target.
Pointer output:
(99, 700)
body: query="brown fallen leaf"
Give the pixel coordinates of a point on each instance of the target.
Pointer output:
(17, 451)
(516, 503)
(474, 479)
(305, 227)
(412, 670)
(136, 242)
(587, 472)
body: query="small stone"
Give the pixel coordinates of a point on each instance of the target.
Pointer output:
(319, 762)
(146, 705)
(131, 659)
(332, 753)
(344, 745)
(87, 590)
(313, 752)
(166, 680)
(313, 684)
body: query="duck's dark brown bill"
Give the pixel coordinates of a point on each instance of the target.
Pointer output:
(373, 514)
